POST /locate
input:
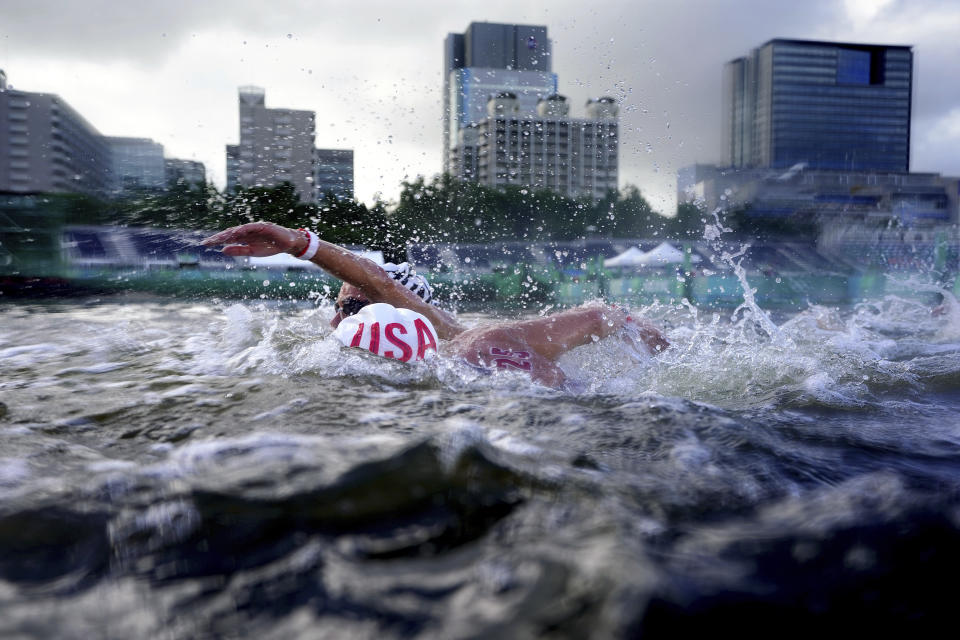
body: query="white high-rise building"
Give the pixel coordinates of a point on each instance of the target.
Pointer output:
(504, 122)
(276, 146)
(576, 157)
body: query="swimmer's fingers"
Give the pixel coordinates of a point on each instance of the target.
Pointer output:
(653, 338)
(258, 239)
(253, 231)
(227, 236)
(253, 249)
(239, 250)
(647, 333)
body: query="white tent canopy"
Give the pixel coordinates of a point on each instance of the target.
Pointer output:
(661, 255)
(629, 258)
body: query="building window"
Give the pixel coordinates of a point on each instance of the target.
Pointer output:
(853, 66)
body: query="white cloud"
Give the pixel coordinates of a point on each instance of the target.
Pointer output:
(860, 10)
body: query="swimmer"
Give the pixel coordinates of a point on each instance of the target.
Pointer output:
(533, 345)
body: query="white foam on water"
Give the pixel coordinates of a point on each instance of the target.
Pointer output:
(268, 448)
(294, 404)
(512, 443)
(713, 358)
(30, 353)
(104, 367)
(374, 417)
(13, 472)
(188, 390)
(102, 466)
(690, 453)
(461, 434)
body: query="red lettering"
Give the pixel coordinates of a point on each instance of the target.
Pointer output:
(405, 351)
(505, 363)
(425, 338)
(375, 338)
(357, 337)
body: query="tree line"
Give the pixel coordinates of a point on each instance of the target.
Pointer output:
(436, 211)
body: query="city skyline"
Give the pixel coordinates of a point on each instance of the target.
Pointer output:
(171, 72)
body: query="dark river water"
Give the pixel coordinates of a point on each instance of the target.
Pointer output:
(216, 470)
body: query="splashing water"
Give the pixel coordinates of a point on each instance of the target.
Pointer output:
(196, 470)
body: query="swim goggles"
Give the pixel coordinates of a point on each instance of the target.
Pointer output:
(349, 306)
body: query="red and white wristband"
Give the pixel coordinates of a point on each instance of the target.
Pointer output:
(313, 243)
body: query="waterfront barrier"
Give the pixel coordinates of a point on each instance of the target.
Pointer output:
(106, 260)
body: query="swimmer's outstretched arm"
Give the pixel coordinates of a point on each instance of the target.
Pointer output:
(556, 334)
(260, 239)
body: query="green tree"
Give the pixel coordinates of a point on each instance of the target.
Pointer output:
(687, 224)
(78, 208)
(280, 204)
(182, 206)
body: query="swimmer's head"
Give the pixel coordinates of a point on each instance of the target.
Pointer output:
(350, 300)
(385, 330)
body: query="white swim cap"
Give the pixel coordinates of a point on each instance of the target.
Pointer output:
(389, 332)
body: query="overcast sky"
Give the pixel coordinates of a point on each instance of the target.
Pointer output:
(169, 70)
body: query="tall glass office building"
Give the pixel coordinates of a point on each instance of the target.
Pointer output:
(827, 105)
(488, 59)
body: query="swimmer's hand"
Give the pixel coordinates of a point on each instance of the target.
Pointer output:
(641, 331)
(257, 239)
(650, 335)
(637, 330)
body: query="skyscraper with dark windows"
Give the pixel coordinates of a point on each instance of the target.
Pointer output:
(819, 133)
(823, 105)
(486, 60)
